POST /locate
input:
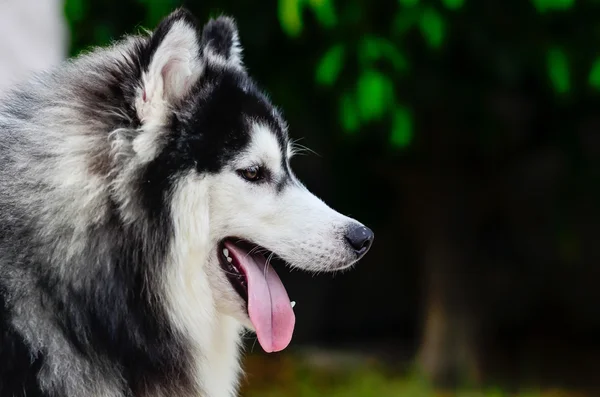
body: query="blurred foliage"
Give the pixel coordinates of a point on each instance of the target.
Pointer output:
(594, 78)
(330, 65)
(558, 70)
(553, 5)
(374, 96)
(366, 64)
(290, 14)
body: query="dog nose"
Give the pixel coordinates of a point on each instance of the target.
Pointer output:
(360, 239)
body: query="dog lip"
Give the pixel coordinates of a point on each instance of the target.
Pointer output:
(234, 273)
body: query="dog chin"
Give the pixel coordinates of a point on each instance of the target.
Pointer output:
(244, 320)
(230, 304)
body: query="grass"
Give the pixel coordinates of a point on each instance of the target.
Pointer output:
(289, 376)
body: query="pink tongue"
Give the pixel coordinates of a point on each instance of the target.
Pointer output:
(269, 306)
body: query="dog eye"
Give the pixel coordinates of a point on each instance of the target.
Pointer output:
(252, 174)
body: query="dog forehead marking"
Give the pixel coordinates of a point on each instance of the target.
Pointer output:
(265, 146)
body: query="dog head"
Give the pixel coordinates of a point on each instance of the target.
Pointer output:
(209, 133)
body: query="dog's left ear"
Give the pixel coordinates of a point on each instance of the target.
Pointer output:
(221, 43)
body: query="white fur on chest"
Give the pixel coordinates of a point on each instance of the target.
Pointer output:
(214, 337)
(219, 365)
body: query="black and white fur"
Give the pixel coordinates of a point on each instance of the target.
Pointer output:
(119, 176)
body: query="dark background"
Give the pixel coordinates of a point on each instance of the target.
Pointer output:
(466, 134)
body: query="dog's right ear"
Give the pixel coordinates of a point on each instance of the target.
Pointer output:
(171, 65)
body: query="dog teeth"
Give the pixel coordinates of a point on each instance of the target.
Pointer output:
(226, 253)
(293, 304)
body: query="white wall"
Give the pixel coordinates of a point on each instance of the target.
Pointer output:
(33, 36)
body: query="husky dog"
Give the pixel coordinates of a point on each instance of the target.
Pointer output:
(144, 190)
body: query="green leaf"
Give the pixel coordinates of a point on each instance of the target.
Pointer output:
(372, 49)
(541, 5)
(393, 54)
(553, 5)
(566, 4)
(349, 114)
(402, 127)
(330, 65)
(405, 20)
(324, 11)
(290, 16)
(432, 27)
(409, 3)
(368, 50)
(594, 77)
(453, 4)
(374, 94)
(558, 70)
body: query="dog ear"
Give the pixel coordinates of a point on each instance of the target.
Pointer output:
(221, 44)
(171, 65)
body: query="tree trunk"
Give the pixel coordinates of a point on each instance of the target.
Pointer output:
(441, 206)
(448, 347)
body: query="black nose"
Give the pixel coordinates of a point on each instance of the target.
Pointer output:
(360, 239)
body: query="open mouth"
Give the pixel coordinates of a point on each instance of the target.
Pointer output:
(248, 269)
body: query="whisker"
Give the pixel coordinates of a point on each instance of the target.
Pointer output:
(268, 263)
(254, 344)
(301, 150)
(231, 274)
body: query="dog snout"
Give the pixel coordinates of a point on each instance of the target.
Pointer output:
(360, 238)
